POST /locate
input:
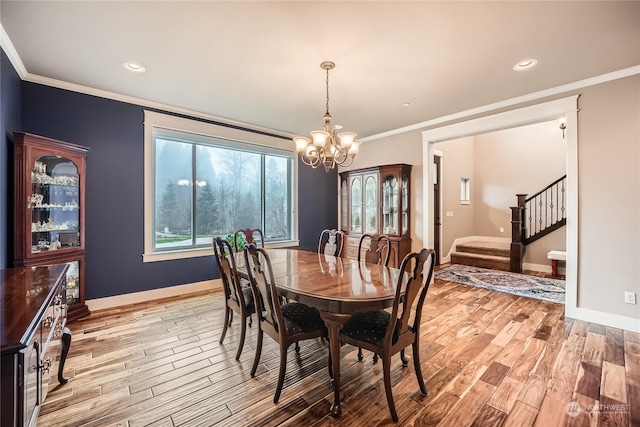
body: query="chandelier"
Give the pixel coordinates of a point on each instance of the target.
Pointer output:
(328, 147)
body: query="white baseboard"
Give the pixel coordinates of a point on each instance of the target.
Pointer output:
(601, 318)
(153, 294)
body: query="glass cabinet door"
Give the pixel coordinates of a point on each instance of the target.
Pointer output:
(405, 204)
(371, 204)
(54, 204)
(73, 283)
(389, 205)
(356, 204)
(344, 205)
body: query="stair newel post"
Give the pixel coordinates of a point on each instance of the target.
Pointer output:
(522, 203)
(517, 234)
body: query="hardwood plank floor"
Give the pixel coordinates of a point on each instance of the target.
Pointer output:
(488, 359)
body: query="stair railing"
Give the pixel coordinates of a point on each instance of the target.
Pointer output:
(535, 217)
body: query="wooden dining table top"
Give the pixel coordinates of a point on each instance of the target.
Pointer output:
(330, 283)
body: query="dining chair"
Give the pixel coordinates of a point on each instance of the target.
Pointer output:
(238, 297)
(387, 333)
(247, 235)
(374, 249)
(331, 242)
(286, 323)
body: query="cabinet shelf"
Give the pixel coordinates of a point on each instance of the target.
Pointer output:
(53, 207)
(57, 230)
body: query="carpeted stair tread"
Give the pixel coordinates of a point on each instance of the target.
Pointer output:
(480, 260)
(485, 248)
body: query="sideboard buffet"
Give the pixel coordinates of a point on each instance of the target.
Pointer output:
(49, 210)
(376, 201)
(33, 313)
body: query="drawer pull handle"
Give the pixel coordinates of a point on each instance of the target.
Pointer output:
(58, 331)
(47, 322)
(57, 299)
(46, 365)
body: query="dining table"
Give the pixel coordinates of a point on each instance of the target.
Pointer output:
(337, 287)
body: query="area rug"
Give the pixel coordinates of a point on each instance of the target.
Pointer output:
(551, 290)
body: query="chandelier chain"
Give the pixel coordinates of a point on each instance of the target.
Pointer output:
(327, 91)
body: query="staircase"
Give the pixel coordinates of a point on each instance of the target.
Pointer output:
(491, 255)
(535, 217)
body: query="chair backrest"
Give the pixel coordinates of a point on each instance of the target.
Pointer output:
(227, 266)
(331, 242)
(379, 250)
(265, 294)
(407, 305)
(247, 235)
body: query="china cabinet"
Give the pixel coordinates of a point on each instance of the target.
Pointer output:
(376, 200)
(49, 212)
(33, 314)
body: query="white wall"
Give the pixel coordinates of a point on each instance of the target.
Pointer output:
(457, 162)
(609, 203)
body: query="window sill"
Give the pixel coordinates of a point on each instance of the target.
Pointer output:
(194, 253)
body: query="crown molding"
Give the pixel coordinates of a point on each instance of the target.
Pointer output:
(11, 52)
(626, 72)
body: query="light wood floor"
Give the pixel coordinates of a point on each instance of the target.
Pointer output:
(488, 359)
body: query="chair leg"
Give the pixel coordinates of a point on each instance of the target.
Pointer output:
(243, 333)
(386, 368)
(282, 370)
(416, 365)
(330, 367)
(297, 347)
(405, 361)
(256, 359)
(359, 354)
(230, 317)
(375, 357)
(226, 323)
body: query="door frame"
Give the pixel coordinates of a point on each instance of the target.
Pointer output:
(566, 108)
(437, 205)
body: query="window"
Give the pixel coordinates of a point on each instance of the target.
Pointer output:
(207, 182)
(465, 191)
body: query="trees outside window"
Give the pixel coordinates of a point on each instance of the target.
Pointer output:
(206, 188)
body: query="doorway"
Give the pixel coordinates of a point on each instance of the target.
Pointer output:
(566, 108)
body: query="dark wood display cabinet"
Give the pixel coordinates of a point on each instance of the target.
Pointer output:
(33, 315)
(376, 200)
(49, 211)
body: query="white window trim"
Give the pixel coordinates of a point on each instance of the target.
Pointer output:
(465, 193)
(153, 119)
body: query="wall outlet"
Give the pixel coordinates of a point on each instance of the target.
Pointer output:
(630, 297)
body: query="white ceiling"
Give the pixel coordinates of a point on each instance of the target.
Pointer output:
(259, 62)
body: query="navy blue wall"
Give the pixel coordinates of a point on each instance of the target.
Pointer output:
(9, 121)
(114, 133)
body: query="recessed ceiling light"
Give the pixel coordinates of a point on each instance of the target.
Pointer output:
(406, 104)
(525, 64)
(133, 67)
